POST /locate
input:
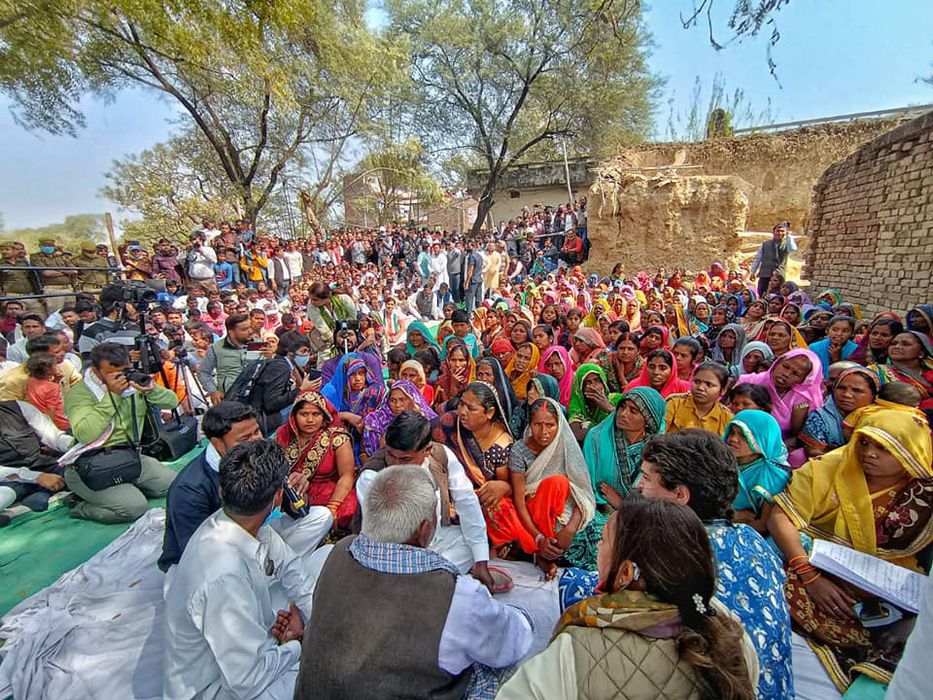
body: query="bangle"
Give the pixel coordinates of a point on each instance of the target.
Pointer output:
(807, 582)
(539, 536)
(790, 562)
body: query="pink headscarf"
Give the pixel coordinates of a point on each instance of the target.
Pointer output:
(809, 391)
(565, 383)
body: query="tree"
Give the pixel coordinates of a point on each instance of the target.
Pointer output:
(395, 175)
(259, 80)
(500, 79)
(74, 230)
(747, 18)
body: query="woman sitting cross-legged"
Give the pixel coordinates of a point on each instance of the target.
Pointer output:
(876, 496)
(653, 630)
(552, 495)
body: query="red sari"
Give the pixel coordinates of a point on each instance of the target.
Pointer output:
(318, 458)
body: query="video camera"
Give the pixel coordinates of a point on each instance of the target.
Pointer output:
(141, 295)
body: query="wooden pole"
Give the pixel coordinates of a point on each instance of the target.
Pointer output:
(108, 221)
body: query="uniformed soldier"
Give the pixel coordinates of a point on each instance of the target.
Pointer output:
(14, 282)
(54, 281)
(93, 280)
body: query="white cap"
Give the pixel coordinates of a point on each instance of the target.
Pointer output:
(382, 229)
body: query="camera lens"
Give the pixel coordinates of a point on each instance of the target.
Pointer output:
(137, 377)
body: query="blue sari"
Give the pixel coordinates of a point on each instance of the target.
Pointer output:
(821, 348)
(768, 475)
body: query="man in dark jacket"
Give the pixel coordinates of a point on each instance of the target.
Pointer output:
(195, 493)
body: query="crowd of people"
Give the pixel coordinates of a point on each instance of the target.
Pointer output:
(389, 412)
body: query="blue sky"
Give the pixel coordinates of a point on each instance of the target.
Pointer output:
(834, 57)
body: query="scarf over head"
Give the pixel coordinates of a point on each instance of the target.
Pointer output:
(375, 424)
(674, 385)
(565, 383)
(579, 409)
(426, 333)
(809, 391)
(761, 480)
(338, 392)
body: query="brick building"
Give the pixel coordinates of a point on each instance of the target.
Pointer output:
(871, 222)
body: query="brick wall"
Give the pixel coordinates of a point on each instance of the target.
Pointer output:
(871, 222)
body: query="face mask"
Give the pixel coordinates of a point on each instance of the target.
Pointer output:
(301, 360)
(274, 514)
(47, 249)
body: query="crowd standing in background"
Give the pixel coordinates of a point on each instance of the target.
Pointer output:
(665, 445)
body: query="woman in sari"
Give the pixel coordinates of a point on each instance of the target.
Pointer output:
(719, 318)
(794, 384)
(873, 348)
(413, 371)
(457, 370)
(556, 362)
(489, 371)
(600, 308)
(479, 436)
(520, 333)
(838, 344)
(587, 343)
(874, 495)
(755, 357)
(910, 360)
(780, 336)
(754, 319)
(823, 432)
(920, 319)
(552, 496)
(591, 402)
(402, 396)
(623, 364)
(319, 448)
(419, 337)
(522, 367)
(541, 386)
(653, 338)
(355, 393)
(659, 372)
(503, 350)
(727, 348)
(613, 452)
(755, 439)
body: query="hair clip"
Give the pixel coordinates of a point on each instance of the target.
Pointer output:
(699, 604)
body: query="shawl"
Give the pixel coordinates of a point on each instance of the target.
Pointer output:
(563, 456)
(694, 324)
(426, 334)
(751, 347)
(592, 320)
(579, 409)
(835, 297)
(593, 339)
(504, 391)
(418, 367)
(809, 391)
(609, 456)
(520, 380)
(740, 301)
(337, 390)
(761, 480)
(753, 328)
(821, 349)
(375, 424)
(674, 385)
(449, 383)
(828, 497)
(632, 611)
(923, 311)
(665, 336)
(716, 355)
(566, 382)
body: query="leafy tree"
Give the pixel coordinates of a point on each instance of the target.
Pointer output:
(395, 174)
(260, 80)
(500, 79)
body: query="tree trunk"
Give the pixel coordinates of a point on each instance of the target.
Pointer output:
(484, 205)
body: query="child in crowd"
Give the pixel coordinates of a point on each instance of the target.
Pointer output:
(43, 389)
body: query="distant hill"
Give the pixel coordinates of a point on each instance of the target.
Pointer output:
(73, 231)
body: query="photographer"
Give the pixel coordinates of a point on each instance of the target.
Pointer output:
(227, 357)
(280, 380)
(109, 328)
(201, 261)
(101, 412)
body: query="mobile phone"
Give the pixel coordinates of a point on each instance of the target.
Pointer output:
(314, 374)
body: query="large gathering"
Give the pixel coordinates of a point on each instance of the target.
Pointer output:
(516, 350)
(394, 418)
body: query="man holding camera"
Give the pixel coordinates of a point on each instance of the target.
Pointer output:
(227, 357)
(107, 411)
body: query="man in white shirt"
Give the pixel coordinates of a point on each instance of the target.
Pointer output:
(437, 265)
(393, 618)
(223, 637)
(294, 261)
(408, 441)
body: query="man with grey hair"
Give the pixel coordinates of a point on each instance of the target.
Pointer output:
(393, 619)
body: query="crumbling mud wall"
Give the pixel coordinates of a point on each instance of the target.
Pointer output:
(665, 220)
(780, 168)
(871, 225)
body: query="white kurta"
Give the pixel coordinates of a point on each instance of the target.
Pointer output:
(218, 612)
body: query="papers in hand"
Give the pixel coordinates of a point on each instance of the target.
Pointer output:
(888, 581)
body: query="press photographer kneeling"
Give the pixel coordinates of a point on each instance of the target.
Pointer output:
(107, 411)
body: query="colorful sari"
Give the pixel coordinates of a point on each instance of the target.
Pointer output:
(808, 392)
(480, 466)
(317, 459)
(579, 410)
(426, 333)
(674, 385)
(828, 499)
(606, 363)
(761, 480)
(922, 380)
(565, 383)
(362, 402)
(734, 365)
(823, 429)
(613, 460)
(555, 481)
(591, 320)
(520, 380)
(594, 342)
(375, 424)
(448, 386)
(546, 386)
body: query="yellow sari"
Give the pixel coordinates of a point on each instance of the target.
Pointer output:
(520, 382)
